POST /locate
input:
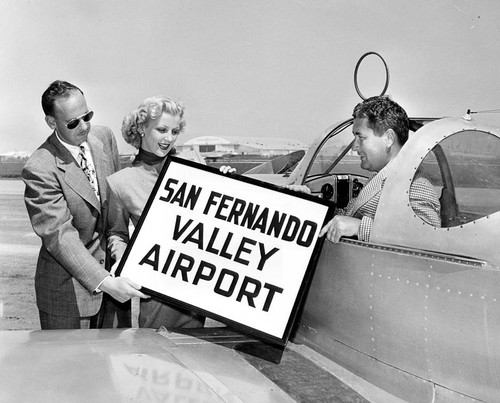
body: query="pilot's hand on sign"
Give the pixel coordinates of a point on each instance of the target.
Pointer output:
(121, 288)
(340, 226)
(298, 188)
(226, 169)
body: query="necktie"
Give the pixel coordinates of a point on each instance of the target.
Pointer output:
(89, 170)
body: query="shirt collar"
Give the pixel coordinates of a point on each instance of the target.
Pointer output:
(74, 150)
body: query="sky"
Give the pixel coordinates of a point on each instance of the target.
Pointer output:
(261, 68)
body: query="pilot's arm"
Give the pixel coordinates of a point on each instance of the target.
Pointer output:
(424, 201)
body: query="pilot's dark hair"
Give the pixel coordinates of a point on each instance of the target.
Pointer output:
(58, 89)
(383, 114)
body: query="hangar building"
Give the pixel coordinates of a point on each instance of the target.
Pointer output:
(214, 146)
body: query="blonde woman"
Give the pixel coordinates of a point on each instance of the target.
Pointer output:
(153, 128)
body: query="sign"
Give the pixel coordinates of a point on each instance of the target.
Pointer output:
(227, 246)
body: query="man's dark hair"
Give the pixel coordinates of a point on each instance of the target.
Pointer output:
(383, 114)
(58, 89)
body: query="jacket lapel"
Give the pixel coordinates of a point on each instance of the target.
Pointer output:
(73, 175)
(371, 189)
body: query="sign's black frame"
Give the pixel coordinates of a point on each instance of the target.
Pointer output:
(233, 324)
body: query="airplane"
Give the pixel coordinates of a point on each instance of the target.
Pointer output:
(411, 316)
(416, 310)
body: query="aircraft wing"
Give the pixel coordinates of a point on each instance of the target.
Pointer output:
(143, 365)
(277, 170)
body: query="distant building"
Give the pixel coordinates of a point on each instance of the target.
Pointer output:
(215, 146)
(15, 156)
(12, 162)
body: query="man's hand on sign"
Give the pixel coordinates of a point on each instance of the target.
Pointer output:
(340, 226)
(122, 288)
(226, 169)
(298, 188)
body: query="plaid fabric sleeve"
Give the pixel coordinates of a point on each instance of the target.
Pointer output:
(365, 229)
(424, 201)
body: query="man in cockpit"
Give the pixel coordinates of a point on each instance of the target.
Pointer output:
(380, 130)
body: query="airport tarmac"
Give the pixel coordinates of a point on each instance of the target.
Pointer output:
(18, 253)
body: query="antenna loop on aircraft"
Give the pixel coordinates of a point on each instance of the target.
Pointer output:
(356, 74)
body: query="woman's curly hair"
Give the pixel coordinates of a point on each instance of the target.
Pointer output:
(135, 123)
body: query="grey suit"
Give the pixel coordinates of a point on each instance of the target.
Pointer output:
(70, 220)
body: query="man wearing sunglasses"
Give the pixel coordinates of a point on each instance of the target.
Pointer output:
(65, 197)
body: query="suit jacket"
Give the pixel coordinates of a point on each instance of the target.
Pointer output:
(128, 193)
(70, 220)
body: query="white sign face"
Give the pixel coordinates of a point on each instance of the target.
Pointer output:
(228, 246)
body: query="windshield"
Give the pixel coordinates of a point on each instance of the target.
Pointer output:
(335, 156)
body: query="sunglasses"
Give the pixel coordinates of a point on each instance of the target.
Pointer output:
(73, 123)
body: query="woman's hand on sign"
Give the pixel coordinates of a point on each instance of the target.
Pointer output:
(226, 169)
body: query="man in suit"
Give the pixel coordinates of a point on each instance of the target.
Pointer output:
(65, 197)
(380, 129)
